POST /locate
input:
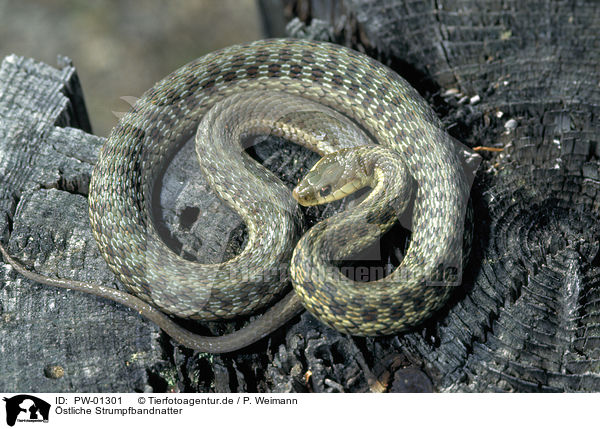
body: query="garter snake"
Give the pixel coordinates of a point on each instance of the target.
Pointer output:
(325, 97)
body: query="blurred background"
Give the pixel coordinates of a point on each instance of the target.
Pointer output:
(122, 47)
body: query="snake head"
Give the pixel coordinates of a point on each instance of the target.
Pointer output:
(333, 177)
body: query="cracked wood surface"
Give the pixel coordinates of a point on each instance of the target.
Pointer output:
(46, 158)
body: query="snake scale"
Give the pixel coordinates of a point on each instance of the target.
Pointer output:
(360, 116)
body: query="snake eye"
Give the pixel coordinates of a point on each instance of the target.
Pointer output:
(325, 191)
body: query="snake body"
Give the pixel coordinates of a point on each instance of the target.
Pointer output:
(284, 87)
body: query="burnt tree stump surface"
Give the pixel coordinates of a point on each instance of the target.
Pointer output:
(522, 76)
(46, 159)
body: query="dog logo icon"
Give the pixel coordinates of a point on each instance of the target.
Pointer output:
(26, 408)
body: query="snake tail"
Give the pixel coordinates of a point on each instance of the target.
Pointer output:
(276, 316)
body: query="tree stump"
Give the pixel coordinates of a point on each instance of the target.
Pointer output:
(518, 76)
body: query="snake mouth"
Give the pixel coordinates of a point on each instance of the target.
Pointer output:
(302, 197)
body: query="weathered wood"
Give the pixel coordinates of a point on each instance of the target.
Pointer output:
(45, 167)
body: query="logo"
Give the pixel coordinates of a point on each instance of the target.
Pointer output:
(26, 408)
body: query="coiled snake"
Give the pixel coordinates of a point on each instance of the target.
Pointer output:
(371, 128)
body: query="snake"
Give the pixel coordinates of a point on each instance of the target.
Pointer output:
(371, 129)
